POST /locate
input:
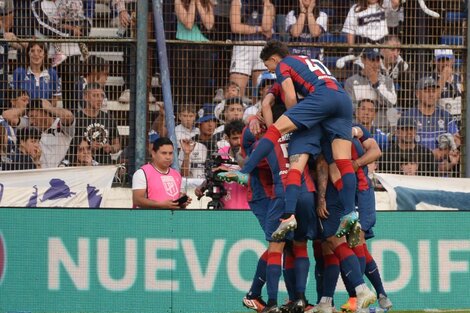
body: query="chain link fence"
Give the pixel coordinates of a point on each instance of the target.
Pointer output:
(68, 76)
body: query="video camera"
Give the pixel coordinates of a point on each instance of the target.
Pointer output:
(214, 186)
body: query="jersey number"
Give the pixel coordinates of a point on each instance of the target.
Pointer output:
(315, 65)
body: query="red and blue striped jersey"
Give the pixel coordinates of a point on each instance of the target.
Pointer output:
(356, 152)
(308, 75)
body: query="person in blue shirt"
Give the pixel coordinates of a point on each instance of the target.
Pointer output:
(38, 79)
(430, 119)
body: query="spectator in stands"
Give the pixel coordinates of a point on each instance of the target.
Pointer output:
(156, 185)
(367, 20)
(232, 110)
(192, 157)
(63, 19)
(28, 154)
(193, 66)
(232, 89)
(207, 122)
(431, 120)
(250, 22)
(370, 77)
(96, 126)
(448, 156)
(57, 127)
(38, 79)
(79, 154)
(449, 81)
(6, 24)
(305, 24)
(265, 82)
(23, 28)
(15, 115)
(405, 156)
(95, 70)
(396, 68)
(7, 145)
(365, 113)
(186, 129)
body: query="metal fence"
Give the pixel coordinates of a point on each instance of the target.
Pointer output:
(402, 62)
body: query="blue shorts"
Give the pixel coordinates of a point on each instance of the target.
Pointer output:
(273, 218)
(258, 207)
(332, 109)
(329, 226)
(306, 217)
(365, 201)
(305, 141)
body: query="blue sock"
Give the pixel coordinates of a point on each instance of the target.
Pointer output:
(361, 257)
(260, 277)
(349, 264)
(302, 265)
(273, 273)
(289, 274)
(330, 276)
(347, 192)
(294, 179)
(264, 147)
(373, 274)
(319, 268)
(349, 287)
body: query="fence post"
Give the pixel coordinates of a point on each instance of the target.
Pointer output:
(467, 102)
(141, 104)
(165, 75)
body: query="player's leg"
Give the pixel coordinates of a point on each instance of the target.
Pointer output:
(275, 250)
(288, 272)
(319, 268)
(330, 279)
(373, 274)
(252, 299)
(293, 188)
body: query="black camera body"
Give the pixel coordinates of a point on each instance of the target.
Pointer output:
(214, 185)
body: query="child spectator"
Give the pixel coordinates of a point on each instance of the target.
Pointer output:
(186, 128)
(15, 115)
(231, 110)
(28, 154)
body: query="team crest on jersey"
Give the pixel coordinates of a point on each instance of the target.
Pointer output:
(440, 123)
(419, 124)
(170, 185)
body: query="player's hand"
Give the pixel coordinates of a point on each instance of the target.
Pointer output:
(198, 192)
(322, 211)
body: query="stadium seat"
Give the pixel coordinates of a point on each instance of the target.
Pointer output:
(451, 40)
(455, 17)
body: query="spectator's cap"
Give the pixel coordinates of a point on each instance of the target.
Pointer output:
(153, 135)
(206, 113)
(26, 133)
(371, 53)
(426, 82)
(443, 54)
(266, 78)
(365, 93)
(406, 122)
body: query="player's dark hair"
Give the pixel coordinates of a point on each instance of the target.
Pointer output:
(234, 127)
(273, 47)
(162, 141)
(278, 108)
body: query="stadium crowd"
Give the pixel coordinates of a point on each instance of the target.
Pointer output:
(72, 83)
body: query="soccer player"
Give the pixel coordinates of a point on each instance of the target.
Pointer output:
(337, 254)
(323, 101)
(296, 263)
(365, 150)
